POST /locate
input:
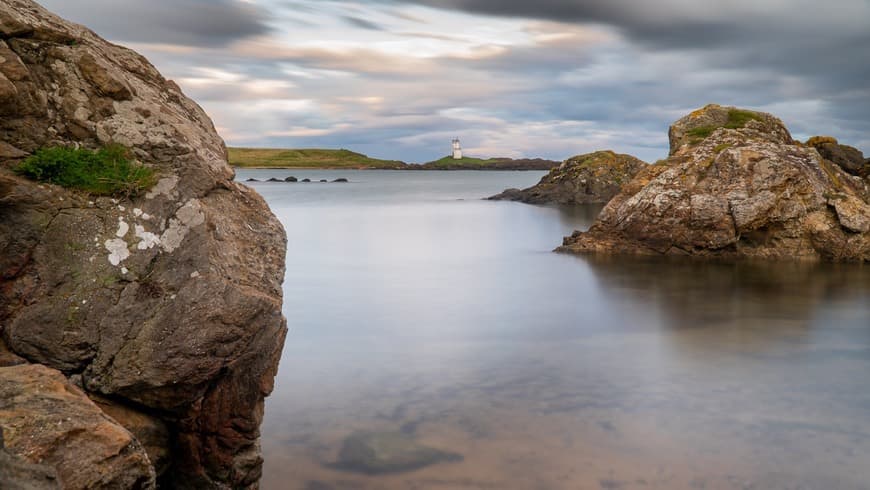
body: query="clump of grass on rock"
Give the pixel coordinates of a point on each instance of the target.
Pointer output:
(737, 118)
(108, 171)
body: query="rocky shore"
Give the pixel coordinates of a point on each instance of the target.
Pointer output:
(138, 336)
(736, 185)
(590, 178)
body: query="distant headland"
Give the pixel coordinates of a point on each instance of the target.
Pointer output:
(346, 159)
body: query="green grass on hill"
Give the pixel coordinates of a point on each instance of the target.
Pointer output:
(449, 161)
(308, 158)
(471, 163)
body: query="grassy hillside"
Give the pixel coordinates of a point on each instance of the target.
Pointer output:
(470, 163)
(308, 158)
(449, 161)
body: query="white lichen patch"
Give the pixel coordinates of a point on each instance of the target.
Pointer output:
(147, 240)
(186, 217)
(123, 228)
(194, 274)
(82, 114)
(164, 186)
(117, 250)
(137, 212)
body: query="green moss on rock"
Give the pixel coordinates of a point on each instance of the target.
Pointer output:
(109, 171)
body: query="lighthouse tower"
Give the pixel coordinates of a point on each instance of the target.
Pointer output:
(457, 149)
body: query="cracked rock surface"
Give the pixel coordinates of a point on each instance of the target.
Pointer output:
(168, 305)
(736, 192)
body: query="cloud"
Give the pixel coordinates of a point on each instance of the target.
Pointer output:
(399, 78)
(685, 20)
(793, 36)
(362, 23)
(184, 22)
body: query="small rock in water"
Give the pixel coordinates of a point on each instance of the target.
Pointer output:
(273, 179)
(291, 179)
(323, 180)
(252, 180)
(375, 453)
(306, 180)
(342, 179)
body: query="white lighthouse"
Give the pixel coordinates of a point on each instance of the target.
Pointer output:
(457, 149)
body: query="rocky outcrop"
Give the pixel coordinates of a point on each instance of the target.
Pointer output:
(848, 158)
(48, 421)
(735, 186)
(168, 305)
(590, 178)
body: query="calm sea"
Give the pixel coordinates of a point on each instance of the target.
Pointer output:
(415, 306)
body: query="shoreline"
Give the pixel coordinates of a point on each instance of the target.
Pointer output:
(396, 169)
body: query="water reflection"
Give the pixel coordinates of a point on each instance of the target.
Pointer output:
(452, 323)
(766, 307)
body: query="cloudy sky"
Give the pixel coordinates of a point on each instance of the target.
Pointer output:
(521, 78)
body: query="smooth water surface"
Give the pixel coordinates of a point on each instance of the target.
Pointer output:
(416, 307)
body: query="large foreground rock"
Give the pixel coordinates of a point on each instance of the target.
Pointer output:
(590, 178)
(169, 304)
(736, 185)
(48, 421)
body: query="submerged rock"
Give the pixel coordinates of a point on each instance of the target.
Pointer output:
(47, 420)
(590, 178)
(305, 180)
(251, 180)
(291, 179)
(340, 179)
(388, 452)
(735, 185)
(274, 179)
(169, 303)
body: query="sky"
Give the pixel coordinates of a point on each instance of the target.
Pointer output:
(517, 78)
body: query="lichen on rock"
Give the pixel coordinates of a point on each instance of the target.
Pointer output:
(733, 190)
(168, 304)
